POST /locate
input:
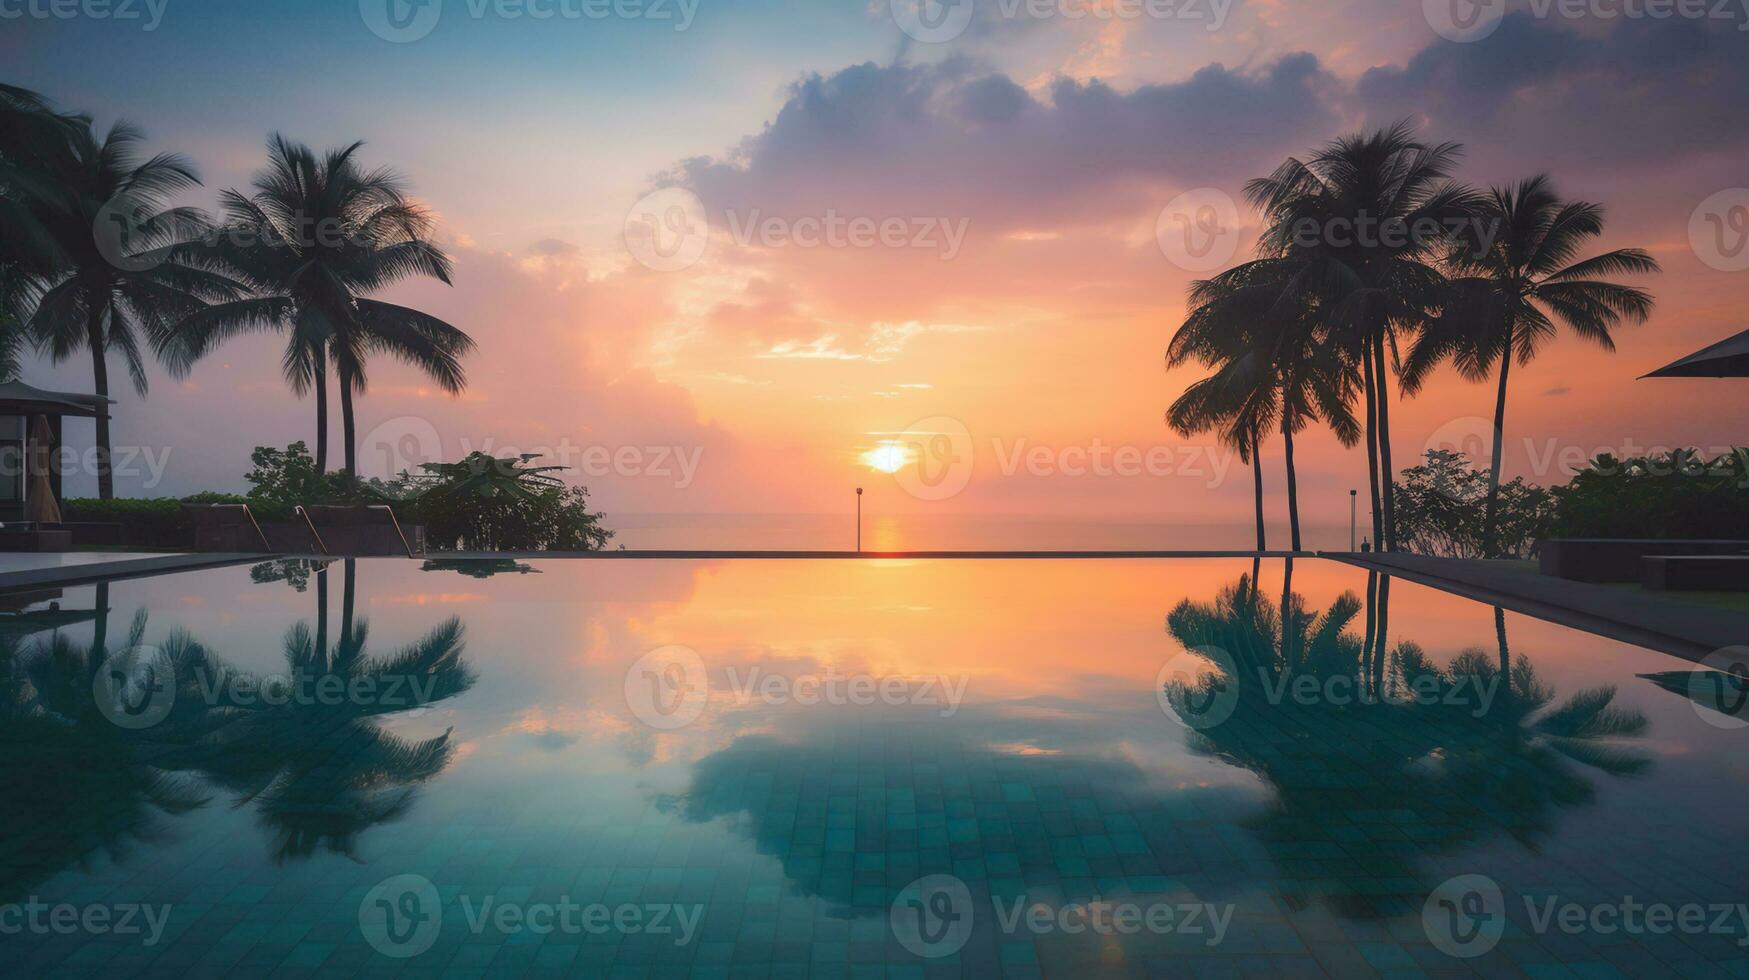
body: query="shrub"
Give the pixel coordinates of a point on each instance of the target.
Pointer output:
(1675, 495)
(488, 504)
(1442, 510)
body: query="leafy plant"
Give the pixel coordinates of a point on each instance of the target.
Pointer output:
(483, 503)
(1442, 509)
(288, 477)
(1674, 495)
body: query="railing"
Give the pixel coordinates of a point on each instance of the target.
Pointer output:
(396, 524)
(219, 508)
(301, 512)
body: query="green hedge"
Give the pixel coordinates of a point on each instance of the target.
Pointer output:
(158, 522)
(1674, 496)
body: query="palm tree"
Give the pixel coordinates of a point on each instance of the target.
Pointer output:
(316, 237)
(119, 276)
(31, 133)
(1237, 401)
(1344, 238)
(1276, 367)
(1511, 289)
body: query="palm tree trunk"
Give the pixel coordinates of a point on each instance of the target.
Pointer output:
(348, 425)
(100, 381)
(1257, 481)
(1293, 484)
(1289, 618)
(1505, 650)
(322, 614)
(1372, 446)
(100, 623)
(1387, 472)
(1367, 652)
(347, 595)
(1381, 645)
(321, 371)
(1490, 530)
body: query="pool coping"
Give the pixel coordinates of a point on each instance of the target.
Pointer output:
(1685, 630)
(1078, 554)
(66, 576)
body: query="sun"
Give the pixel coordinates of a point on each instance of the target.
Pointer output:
(888, 457)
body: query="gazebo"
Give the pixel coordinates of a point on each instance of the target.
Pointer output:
(30, 443)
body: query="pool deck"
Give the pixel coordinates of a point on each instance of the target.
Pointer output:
(1672, 626)
(29, 570)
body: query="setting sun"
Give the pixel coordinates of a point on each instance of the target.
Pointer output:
(888, 457)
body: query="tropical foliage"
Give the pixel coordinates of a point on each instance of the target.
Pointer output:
(1471, 748)
(488, 504)
(316, 237)
(1371, 246)
(1679, 494)
(97, 260)
(318, 772)
(1510, 291)
(1442, 509)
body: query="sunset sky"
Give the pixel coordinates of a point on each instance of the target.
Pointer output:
(1052, 142)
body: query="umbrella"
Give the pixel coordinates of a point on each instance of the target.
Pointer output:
(1728, 358)
(39, 495)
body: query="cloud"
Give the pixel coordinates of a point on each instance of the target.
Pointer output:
(956, 140)
(1635, 92)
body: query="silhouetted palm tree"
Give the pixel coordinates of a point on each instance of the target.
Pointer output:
(118, 282)
(316, 237)
(31, 136)
(1275, 367)
(1363, 288)
(1516, 277)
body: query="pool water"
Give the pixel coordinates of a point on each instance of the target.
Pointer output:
(842, 768)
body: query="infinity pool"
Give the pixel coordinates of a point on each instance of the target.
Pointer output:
(831, 768)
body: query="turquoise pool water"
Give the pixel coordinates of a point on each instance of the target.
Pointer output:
(747, 768)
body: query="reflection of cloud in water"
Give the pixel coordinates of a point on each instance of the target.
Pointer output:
(855, 806)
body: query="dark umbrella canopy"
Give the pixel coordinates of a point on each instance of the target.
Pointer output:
(1728, 358)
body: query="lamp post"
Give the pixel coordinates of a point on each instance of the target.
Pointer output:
(1353, 518)
(859, 520)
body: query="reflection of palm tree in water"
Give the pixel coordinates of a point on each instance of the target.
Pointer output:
(318, 771)
(1467, 749)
